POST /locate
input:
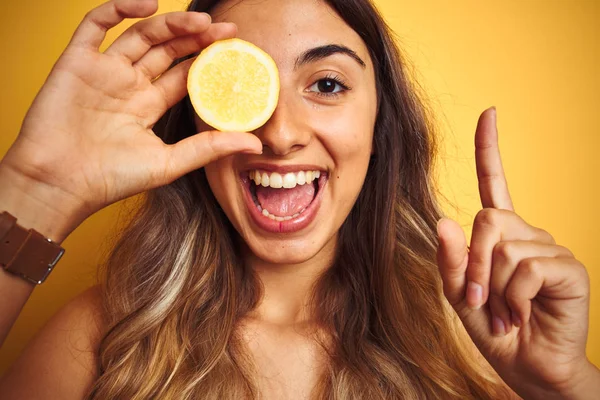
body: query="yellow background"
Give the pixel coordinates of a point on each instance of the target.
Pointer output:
(538, 61)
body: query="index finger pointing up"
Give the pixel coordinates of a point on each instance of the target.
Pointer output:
(493, 188)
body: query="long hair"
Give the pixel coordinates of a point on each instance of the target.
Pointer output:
(176, 287)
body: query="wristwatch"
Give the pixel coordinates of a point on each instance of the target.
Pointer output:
(26, 252)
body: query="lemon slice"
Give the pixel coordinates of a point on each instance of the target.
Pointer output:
(234, 85)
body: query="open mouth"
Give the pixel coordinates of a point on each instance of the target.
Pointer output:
(283, 202)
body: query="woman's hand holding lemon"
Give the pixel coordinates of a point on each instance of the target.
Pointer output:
(87, 137)
(523, 299)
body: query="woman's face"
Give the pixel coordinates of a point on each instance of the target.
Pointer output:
(323, 123)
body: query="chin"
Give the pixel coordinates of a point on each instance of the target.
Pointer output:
(291, 251)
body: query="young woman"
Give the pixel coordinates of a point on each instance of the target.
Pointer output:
(363, 295)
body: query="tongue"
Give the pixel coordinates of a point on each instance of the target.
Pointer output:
(285, 202)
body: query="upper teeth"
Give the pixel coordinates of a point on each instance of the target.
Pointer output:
(287, 181)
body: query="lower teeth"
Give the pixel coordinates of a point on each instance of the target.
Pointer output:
(267, 214)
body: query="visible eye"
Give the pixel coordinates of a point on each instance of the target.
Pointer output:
(329, 86)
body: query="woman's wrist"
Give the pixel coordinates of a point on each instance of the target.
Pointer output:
(37, 205)
(586, 386)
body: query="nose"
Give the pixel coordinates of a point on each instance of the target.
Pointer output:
(285, 132)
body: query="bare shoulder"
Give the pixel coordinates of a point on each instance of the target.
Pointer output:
(61, 360)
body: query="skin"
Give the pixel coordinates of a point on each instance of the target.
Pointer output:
(333, 133)
(523, 299)
(537, 288)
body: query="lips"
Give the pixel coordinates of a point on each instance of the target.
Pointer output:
(281, 224)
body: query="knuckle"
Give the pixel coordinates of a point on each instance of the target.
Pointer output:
(165, 175)
(531, 267)
(179, 21)
(173, 18)
(211, 142)
(144, 69)
(170, 50)
(545, 236)
(477, 267)
(488, 216)
(504, 251)
(144, 34)
(184, 19)
(581, 270)
(565, 251)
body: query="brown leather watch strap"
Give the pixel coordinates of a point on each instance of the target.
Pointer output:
(26, 253)
(7, 221)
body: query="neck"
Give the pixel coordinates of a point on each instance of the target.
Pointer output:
(288, 288)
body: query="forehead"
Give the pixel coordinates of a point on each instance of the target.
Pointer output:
(287, 28)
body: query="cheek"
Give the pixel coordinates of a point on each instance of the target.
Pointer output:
(348, 138)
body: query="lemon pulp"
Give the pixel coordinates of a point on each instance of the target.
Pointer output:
(234, 85)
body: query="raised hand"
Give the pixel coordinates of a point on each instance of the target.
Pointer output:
(523, 299)
(88, 133)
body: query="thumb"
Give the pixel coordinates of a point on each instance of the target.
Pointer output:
(452, 257)
(198, 150)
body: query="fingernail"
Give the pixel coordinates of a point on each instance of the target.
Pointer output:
(515, 319)
(474, 295)
(498, 327)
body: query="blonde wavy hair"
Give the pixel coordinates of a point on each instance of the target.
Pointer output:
(176, 287)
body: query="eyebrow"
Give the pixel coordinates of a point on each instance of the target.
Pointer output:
(321, 52)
